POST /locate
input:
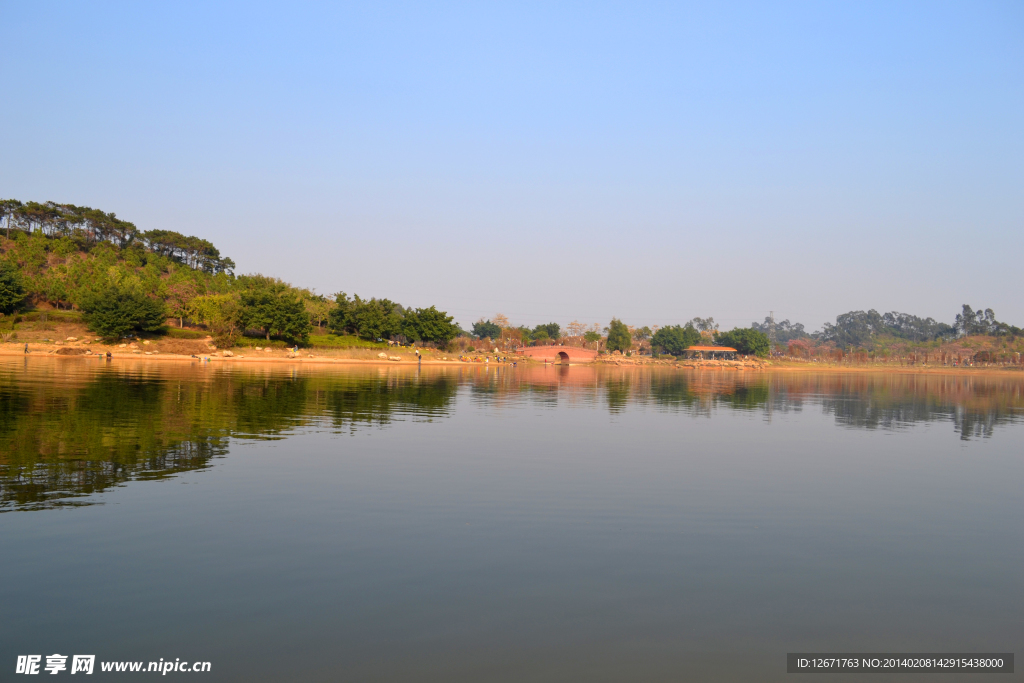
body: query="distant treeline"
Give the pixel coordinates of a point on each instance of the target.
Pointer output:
(856, 329)
(864, 329)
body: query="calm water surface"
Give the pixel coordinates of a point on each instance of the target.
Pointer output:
(531, 524)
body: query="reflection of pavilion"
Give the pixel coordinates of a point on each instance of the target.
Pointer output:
(711, 351)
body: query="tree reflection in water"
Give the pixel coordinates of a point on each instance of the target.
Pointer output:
(72, 428)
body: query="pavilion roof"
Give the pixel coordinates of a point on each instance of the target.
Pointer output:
(720, 349)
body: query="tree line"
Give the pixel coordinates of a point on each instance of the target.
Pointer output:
(87, 227)
(866, 329)
(523, 335)
(618, 336)
(383, 319)
(858, 329)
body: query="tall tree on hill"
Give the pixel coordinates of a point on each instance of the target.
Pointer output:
(969, 321)
(785, 331)
(865, 328)
(704, 324)
(9, 212)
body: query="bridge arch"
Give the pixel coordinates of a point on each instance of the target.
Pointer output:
(551, 353)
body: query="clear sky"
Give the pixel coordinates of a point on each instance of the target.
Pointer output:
(550, 160)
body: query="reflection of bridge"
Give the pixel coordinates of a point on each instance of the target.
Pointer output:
(559, 354)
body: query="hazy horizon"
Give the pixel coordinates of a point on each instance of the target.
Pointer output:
(575, 162)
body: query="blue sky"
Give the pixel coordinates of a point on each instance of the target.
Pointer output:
(550, 161)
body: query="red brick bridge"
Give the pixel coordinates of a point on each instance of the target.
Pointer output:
(559, 354)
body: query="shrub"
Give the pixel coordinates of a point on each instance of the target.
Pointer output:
(346, 341)
(181, 333)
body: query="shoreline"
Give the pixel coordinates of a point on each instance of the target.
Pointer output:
(48, 351)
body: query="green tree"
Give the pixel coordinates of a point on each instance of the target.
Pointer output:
(867, 328)
(179, 299)
(273, 308)
(970, 322)
(371, 319)
(339, 319)
(221, 313)
(318, 307)
(377, 318)
(746, 340)
(703, 324)
(9, 213)
(12, 290)
(590, 337)
(114, 312)
(675, 339)
(619, 338)
(429, 325)
(485, 328)
(517, 336)
(551, 331)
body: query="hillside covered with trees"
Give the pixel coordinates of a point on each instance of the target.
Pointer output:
(124, 281)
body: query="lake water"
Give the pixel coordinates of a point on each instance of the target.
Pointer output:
(504, 524)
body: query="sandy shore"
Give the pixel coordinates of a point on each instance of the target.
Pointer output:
(98, 351)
